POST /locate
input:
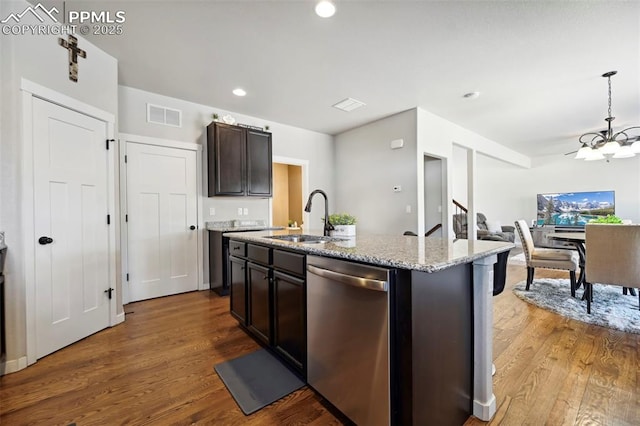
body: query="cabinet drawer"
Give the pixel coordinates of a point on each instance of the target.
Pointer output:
(287, 261)
(237, 248)
(259, 254)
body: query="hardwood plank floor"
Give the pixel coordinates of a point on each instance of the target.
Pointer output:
(157, 368)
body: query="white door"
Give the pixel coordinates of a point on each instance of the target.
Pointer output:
(70, 164)
(162, 221)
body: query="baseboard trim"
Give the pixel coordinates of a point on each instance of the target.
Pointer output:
(13, 365)
(119, 319)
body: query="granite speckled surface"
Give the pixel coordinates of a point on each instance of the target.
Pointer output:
(398, 251)
(239, 226)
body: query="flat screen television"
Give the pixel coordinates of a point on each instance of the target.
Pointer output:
(574, 208)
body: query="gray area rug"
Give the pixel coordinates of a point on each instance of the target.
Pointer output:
(610, 308)
(257, 379)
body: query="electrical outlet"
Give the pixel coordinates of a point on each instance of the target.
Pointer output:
(245, 211)
(239, 211)
(212, 211)
(397, 188)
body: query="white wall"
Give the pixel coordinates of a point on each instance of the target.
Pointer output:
(459, 174)
(367, 169)
(40, 59)
(443, 139)
(288, 141)
(508, 193)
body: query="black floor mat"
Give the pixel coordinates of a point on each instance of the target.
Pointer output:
(257, 379)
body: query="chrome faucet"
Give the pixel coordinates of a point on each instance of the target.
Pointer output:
(327, 226)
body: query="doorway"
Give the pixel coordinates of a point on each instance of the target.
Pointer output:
(162, 247)
(434, 196)
(287, 195)
(71, 204)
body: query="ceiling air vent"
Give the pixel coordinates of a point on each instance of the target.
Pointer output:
(162, 115)
(349, 104)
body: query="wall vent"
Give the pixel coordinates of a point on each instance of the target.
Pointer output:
(162, 115)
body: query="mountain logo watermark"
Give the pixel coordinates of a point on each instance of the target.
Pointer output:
(37, 11)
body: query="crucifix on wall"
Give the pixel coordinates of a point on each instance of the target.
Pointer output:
(74, 52)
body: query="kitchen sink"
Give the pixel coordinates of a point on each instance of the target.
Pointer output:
(306, 239)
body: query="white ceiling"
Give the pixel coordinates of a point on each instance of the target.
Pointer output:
(537, 64)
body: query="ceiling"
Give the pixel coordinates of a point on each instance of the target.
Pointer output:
(536, 64)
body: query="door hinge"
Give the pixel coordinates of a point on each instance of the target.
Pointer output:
(126, 218)
(109, 140)
(109, 291)
(127, 276)
(108, 219)
(125, 158)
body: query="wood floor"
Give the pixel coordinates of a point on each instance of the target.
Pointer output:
(157, 368)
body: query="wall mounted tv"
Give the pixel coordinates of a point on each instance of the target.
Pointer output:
(574, 208)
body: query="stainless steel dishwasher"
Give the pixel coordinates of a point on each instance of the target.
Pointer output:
(348, 337)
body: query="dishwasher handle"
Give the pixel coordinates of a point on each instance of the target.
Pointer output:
(364, 283)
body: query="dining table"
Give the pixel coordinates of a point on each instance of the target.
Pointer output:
(578, 239)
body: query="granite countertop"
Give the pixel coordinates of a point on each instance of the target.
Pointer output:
(397, 251)
(243, 228)
(240, 226)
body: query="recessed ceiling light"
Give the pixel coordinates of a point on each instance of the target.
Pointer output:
(471, 95)
(325, 9)
(239, 92)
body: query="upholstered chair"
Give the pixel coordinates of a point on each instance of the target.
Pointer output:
(537, 257)
(613, 257)
(483, 233)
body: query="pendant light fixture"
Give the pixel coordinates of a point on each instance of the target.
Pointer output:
(607, 144)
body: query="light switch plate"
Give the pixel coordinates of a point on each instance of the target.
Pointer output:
(212, 211)
(239, 211)
(245, 211)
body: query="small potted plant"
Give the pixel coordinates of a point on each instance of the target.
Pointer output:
(344, 225)
(610, 219)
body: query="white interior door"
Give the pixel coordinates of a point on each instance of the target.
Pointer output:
(162, 225)
(71, 204)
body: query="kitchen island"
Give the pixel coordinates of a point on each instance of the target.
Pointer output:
(439, 321)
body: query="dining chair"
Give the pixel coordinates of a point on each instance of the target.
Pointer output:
(537, 257)
(612, 257)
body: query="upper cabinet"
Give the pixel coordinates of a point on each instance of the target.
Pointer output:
(239, 161)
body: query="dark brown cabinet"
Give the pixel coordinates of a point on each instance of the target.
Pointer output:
(259, 284)
(239, 161)
(288, 319)
(259, 163)
(238, 288)
(268, 298)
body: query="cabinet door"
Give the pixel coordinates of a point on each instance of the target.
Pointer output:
(289, 328)
(259, 163)
(238, 288)
(259, 320)
(226, 147)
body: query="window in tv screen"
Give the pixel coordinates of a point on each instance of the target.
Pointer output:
(574, 208)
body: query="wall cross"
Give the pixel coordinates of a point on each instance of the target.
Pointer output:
(74, 52)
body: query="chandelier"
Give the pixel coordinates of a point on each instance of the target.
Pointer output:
(607, 144)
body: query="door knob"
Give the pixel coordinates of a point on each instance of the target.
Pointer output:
(45, 240)
(192, 227)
